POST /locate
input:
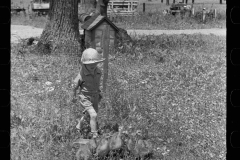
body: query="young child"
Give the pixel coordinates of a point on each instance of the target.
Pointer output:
(88, 80)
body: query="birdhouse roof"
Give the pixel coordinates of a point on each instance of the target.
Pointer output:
(96, 20)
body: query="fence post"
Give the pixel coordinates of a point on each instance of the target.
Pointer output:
(215, 13)
(204, 15)
(192, 11)
(143, 7)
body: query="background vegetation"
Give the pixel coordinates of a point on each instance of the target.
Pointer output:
(152, 18)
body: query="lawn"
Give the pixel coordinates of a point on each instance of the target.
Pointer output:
(176, 85)
(153, 17)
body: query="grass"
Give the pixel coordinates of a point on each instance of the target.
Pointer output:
(151, 20)
(158, 6)
(156, 20)
(153, 17)
(175, 85)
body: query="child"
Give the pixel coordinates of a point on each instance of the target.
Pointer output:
(88, 80)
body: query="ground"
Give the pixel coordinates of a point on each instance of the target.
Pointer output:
(173, 80)
(185, 114)
(21, 32)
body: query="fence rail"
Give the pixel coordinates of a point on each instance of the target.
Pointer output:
(122, 8)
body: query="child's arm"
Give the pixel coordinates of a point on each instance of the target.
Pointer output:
(76, 85)
(100, 96)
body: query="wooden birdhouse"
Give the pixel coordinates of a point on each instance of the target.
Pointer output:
(99, 32)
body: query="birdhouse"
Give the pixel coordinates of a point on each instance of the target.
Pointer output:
(99, 32)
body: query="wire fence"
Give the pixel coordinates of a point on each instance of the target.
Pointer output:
(199, 5)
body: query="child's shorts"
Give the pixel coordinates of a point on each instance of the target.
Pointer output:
(89, 101)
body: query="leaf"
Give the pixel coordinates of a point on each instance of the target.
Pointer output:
(81, 141)
(56, 110)
(13, 133)
(42, 138)
(23, 138)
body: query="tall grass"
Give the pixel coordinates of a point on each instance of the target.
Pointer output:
(173, 86)
(176, 85)
(156, 20)
(147, 20)
(158, 6)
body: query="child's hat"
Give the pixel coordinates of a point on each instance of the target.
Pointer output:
(90, 56)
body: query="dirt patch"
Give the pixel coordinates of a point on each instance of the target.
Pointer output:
(19, 32)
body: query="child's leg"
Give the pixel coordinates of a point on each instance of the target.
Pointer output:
(79, 125)
(80, 121)
(90, 103)
(93, 121)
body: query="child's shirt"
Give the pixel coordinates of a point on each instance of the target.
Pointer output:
(87, 82)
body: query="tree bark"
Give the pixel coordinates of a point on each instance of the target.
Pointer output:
(88, 6)
(61, 33)
(167, 2)
(102, 7)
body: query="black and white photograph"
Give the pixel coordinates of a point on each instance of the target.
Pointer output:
(118, 80)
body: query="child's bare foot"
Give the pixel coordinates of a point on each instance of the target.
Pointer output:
(79, 125)
(94, 135)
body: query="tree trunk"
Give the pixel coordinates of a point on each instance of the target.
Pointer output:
(102, 7)
(167, 2)
(61, 33)
(220, 1)
(174, 1)
(192, 1)
(186, 1)
(88, 6)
